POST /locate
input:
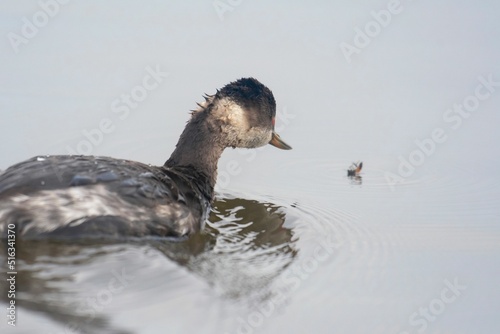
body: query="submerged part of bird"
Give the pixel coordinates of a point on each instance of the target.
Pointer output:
(355, 169)
(86, 196)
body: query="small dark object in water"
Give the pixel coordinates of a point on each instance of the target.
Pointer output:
(355, 169)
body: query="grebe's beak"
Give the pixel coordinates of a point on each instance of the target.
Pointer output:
(278, 142)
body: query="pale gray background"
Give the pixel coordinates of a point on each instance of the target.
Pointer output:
(392, 93)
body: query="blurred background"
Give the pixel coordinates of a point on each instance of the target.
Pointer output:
(411, 88)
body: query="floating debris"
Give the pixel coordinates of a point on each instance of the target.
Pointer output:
(355, 169)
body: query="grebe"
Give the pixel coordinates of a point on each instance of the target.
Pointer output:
(86, 196)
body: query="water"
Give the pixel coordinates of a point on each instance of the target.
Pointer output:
(292, 244)
(273, 263)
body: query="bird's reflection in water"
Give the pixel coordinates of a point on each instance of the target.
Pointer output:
(244, 246)
(356, 180)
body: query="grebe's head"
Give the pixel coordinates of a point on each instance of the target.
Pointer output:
(244, 111)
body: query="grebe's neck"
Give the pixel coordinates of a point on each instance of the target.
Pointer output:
(199, 146)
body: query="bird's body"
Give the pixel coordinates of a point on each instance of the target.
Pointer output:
(86, 196)
(100, 196)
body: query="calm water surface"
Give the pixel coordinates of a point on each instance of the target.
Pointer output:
(341, 250)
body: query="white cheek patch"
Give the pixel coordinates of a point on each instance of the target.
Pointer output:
(257, 137)
(236, 126)
(232, 114)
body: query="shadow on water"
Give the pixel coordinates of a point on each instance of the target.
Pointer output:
(244, 246)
